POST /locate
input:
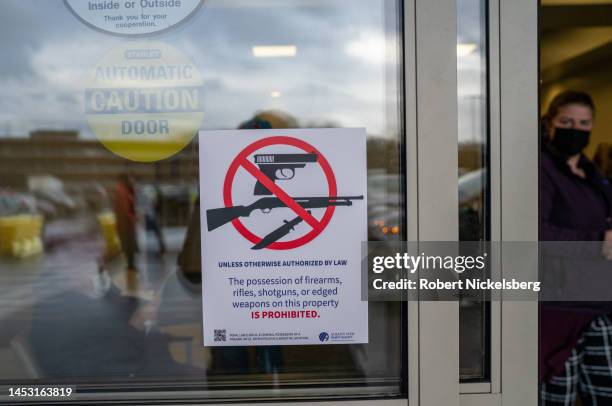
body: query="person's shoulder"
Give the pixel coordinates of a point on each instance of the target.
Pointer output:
(547, 162)
(551, 174)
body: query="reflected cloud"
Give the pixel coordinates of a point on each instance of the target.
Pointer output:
(370, 47)
(337, 72)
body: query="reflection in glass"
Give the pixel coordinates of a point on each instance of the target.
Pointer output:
(473, 177)
(99, 255)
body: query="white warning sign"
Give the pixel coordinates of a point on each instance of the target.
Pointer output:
(283, 216)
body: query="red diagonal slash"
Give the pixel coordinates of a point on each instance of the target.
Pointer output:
(280, 193)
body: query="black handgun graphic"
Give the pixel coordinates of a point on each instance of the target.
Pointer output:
(280, 167)
(215, 218)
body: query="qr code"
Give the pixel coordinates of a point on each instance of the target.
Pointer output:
(220, 335)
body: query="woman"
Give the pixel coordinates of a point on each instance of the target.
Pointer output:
(575, 205)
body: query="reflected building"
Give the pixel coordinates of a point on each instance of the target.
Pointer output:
(81, 162)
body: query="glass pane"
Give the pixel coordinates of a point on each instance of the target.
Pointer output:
(473, 177)
(99, 254)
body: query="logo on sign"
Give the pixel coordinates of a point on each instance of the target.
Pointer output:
(323, 337)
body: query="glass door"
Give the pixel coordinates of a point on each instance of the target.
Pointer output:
(100, 267)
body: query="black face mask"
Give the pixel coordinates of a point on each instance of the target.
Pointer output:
(570, 141)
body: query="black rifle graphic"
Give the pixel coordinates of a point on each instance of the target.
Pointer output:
(280, 167)
(215, 218)
(278, 233)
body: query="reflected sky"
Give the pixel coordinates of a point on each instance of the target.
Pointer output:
(471, 71)
(345, 69)
(337, 77)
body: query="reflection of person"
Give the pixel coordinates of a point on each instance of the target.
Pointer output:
(152, 214)
(270, 119)
(225, 360)
(125, 215)
(575, 205)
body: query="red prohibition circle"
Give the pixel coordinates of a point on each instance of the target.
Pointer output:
(280, 140)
